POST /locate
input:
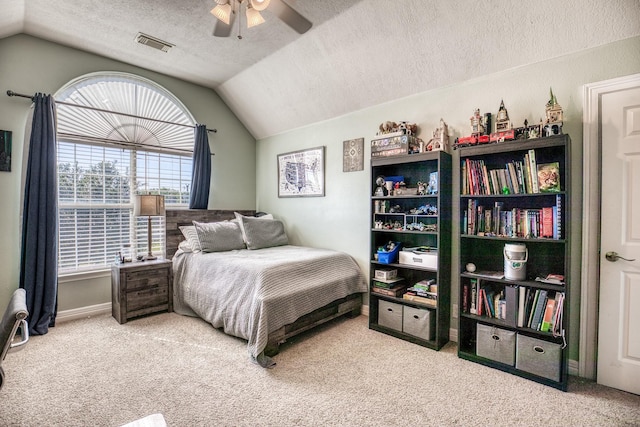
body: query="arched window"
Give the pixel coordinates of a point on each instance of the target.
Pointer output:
(118, 135)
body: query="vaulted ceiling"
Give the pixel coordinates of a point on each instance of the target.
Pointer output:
(358, 53)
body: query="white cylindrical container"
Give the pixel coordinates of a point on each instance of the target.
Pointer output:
(515, 261)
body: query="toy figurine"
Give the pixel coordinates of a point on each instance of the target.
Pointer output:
(554, 113)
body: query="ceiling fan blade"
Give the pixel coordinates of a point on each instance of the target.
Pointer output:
(223, 30)
(290, 16)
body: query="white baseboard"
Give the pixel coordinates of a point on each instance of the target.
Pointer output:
(83, 312)
(365, 310)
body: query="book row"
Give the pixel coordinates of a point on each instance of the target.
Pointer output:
(517, 306)
(517, 177)
(544, 222)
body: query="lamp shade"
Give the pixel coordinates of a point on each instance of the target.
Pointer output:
(149, 205)
(253, 17)
(222, 12)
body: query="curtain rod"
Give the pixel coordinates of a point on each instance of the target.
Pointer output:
(12, 93)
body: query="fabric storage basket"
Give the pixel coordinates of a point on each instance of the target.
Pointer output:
(496, 344)
(417, 322)
(538, 357)
(390, 315)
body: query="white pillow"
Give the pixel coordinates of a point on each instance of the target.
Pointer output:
(240, 216)
(191, 236)
(263, 233)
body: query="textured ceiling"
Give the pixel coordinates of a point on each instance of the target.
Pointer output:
(357, 54)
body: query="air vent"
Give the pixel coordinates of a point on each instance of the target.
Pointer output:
(153, 42)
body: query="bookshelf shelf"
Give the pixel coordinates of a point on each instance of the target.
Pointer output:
(513, 322)
(411, 320)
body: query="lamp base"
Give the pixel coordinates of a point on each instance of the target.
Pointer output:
(149, 258)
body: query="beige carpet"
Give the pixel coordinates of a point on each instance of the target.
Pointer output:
(95, 372)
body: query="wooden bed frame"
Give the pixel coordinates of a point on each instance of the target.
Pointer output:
(349, 306)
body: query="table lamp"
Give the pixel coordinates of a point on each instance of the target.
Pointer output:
(149, 205)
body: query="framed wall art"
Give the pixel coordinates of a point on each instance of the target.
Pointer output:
(353, 155)
(301, 173)
(5, 150)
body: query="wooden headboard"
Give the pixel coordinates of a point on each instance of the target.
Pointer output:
(179, 217)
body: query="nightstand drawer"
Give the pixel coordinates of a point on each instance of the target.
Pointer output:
(147, 298)
(147, 279)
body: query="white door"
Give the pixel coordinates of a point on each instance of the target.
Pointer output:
(619, 308)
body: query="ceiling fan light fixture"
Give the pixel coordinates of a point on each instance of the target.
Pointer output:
(259, 5)
(222, 12)
(253, 17)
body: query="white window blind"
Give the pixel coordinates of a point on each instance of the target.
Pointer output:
(96, 201)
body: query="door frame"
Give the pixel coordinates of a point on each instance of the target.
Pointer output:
(591, 177)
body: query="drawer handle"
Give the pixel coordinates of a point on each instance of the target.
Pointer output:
(415, 316)
(538, 349)
(495, 337)
(389, 309)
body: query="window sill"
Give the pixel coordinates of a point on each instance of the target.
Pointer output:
(84, 275)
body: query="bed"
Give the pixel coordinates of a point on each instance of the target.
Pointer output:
(257, 286)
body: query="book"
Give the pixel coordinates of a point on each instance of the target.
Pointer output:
(554, 279)
(549, 177)
(521, 305)
(511, 294)
(473, 306)
(539, 310)
(547, 317)
(387, 284)
(409, 296)
(488, 274)
(396, 291)
(533, 171)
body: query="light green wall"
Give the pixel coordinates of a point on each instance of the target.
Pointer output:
(30, 65)
(341, 219)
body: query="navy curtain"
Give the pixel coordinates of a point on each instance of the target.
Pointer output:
(201, 173)
(39, 257)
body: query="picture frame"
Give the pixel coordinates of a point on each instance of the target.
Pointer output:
(353, 155)
(301, 173)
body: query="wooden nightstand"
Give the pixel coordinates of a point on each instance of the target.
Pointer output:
(140, 288)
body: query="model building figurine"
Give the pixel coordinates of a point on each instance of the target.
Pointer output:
(504, 130)
(553, 111)
(440, 140)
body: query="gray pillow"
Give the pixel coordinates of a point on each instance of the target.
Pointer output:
(191, 236)
(219, 236)
(263, 233)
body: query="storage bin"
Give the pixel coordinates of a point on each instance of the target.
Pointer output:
(417, 322)
(496, 344)
(412, 256)
(390, 315)
(389, 257)
(539, 357)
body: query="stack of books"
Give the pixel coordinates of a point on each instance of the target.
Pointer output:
(390, 287)
(424, 292)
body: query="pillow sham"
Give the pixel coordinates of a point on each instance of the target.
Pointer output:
(240, 216)
(219, 236)
(191, 236)
(262, 233)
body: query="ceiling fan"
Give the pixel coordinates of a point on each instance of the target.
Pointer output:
(226, 11)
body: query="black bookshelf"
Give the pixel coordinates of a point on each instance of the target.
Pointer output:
(414, 168)
(498, 324)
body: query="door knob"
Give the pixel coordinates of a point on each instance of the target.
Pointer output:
(613, 257)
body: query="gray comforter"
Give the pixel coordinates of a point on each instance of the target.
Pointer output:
(250, 293)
